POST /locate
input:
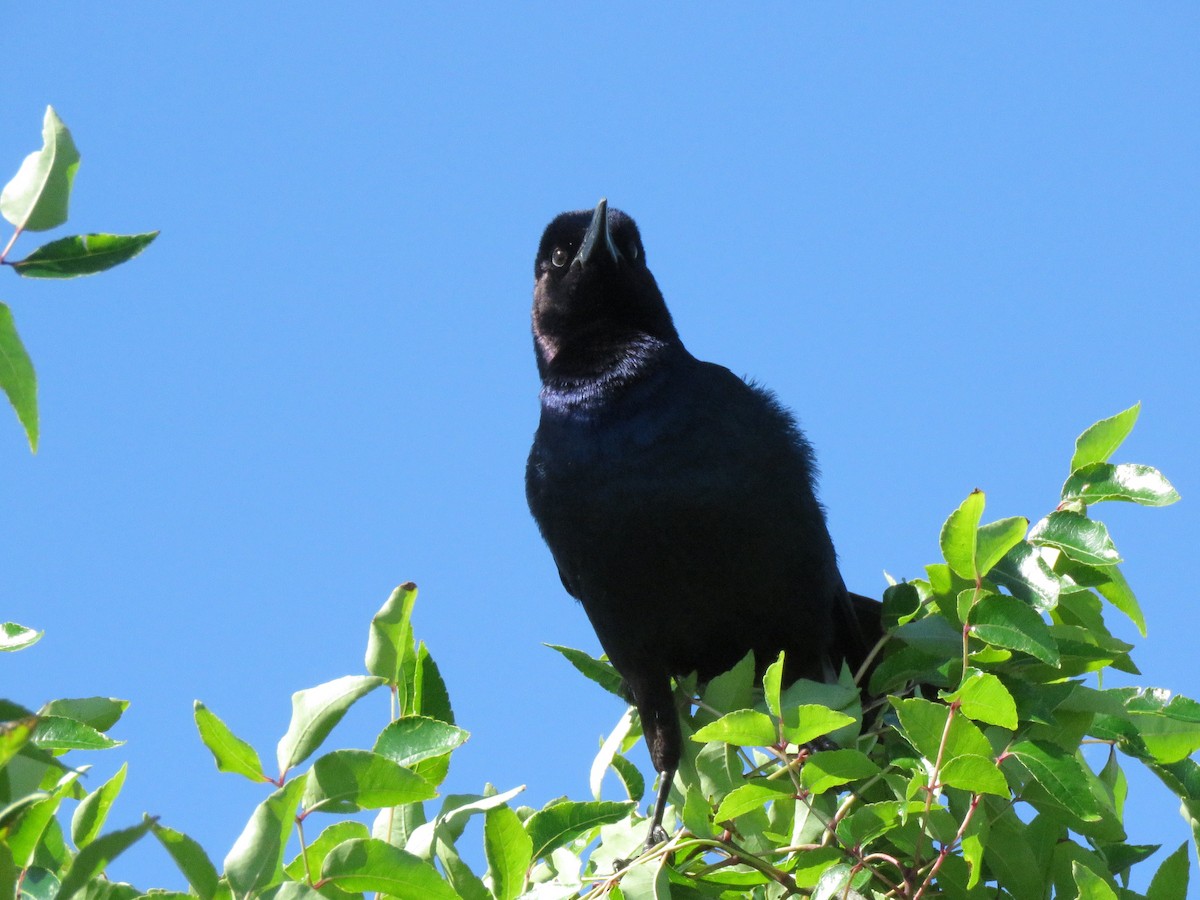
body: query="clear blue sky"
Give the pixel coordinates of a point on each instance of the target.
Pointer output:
(948, 236)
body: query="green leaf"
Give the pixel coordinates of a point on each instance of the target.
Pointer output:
(1170, 882)
(831, 768)
(410, 740)
(191, 859)
(13, 736)
(95, 857)
(560, 823)
(1060, 774)
(509, 852)
(390, 639)
(597, 670)
(649, 880)
(995, 539)
(231, 753)
(959, 535)
(924, 722)
(772, 684)
(351, 780)
(743, 727)
(1091, 886)
(458, 874)
(102, 713)
(733, 689)
(19, 383)
(608, 751)
(14, 636)
(58, 733)
(316, 711)
(82, 254)
(901, 602)
(1169, 726)
(1025, 572)
(289, 890)
(1098, 482)
(635, 784)
(984, 698)
(1098, 442)
(91, 812)
(750, 796)
(255, 861)
(1080, 538)
(37, 197)
(802, 724)
(313, 855)
(1007, 622)
(363, 865)
(432, 700)
(977, 774)
(457, 809)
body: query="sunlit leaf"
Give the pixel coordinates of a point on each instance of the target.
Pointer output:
(19, 383)
(231, 753)
(1007, 622)
(509, 851)
(96, 856)
(1100, 440)
(743, 727)
(1098, 482)
(82, 254)
(831, 768)
(38, 196)
(191, 859)
(558, 824)
(91, 812)
(984, 698)
(351, 780)
(959, 535)
(1082, 539)
(597, 670)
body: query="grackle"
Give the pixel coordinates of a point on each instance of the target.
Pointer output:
(676, 498)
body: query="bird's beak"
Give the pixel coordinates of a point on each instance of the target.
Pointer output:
(597, 242)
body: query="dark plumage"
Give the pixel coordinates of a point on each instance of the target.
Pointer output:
(677, 499)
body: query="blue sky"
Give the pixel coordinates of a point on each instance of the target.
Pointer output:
(948, 236)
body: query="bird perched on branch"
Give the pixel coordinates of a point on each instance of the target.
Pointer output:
(678, 500)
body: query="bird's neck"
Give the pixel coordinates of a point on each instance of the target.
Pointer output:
(597, 372)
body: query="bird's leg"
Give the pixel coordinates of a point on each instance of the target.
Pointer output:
(660, 725)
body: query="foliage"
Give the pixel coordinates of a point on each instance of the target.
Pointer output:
(964, 777)
(36, 199)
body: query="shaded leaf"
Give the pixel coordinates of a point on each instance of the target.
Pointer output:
(92, 859)
(351, 780)
(371, 865)
(1025, 572)
(390, 639)
(1170, 882)
(995, 539)
(316, 711)
(1060, 774)
(1007, 622)
(102, 713)
(313, 855)
(255, 861)
(600, 671)
(191, 859)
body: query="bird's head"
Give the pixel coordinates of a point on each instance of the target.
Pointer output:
(593, 296)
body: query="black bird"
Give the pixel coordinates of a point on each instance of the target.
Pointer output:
(678, 500)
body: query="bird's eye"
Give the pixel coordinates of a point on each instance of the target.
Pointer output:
(559, 257)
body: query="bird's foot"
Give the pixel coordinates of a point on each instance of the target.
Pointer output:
(656, 836)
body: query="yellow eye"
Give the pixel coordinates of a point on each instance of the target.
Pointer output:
(559, 257)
